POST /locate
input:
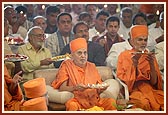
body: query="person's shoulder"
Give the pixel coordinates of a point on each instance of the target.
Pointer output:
(52, 36)
(160, 45)
(45, 49)
(126, 53)
(94, 44)
(101, 37)
(91, 64)
(119, 43)
(25, 45)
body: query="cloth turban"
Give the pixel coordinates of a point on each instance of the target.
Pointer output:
(77, 44)
(35, 104)
(138, 31)
(35, 88)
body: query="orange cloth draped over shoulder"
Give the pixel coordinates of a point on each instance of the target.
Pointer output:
(11, 102)
(142, 93)
(76, 75)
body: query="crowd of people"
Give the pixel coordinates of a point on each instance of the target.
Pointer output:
(121, 36)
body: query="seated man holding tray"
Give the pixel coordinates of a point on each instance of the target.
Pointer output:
(77, 75)
(138, 69)
(39, 57)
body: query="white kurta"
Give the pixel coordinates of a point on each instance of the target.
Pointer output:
(115, 51)
(93, 32)
(123, 31)
(154, 33)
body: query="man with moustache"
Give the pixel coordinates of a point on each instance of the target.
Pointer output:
(96, 53)
(138, 69)
(75, 74)
(38, 56)
(14, 24)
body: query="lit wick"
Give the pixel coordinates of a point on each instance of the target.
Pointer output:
(157, 12)
(43, 7)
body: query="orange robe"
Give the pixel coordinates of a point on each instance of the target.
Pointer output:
(142, 93)
(11, 103)
(76, 75)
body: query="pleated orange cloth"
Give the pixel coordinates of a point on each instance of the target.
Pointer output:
(78, 44)
(35, 88)
(138, 30)
(36, 104)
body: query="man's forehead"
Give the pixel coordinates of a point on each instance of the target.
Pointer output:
(82, 50)
(141, 38)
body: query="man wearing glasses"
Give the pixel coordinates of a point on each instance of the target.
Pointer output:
(39, 56)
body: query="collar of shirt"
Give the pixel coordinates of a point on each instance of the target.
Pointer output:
(29, 46)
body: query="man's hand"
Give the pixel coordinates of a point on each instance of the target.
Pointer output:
(80, 87)
(135, 59)
(17, 78)
(46, 61)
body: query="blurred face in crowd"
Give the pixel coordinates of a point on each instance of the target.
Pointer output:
(88, 20)
(40, 22)
(92, 10)
(30, 9)
(67, 8)
(100, 22)
(65, 24)
(40, 9)
(6, 27)
(37, 37)
(78, 8)
(140, 21)
(11, 15)
(126, 19)
(112, 28)
(80, 57)
(82, 31)
(112, 8)
(140, 43)
(51, 18)
(21, 18)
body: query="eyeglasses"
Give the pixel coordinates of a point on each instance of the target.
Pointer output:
(39, 35)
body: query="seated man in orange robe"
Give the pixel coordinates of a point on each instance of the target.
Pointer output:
(13, 96)
(138, 68)
(75, 74)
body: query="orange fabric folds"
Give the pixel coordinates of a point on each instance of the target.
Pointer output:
(36, 104)
(138, 30)
(78, 44)
(35, 88)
